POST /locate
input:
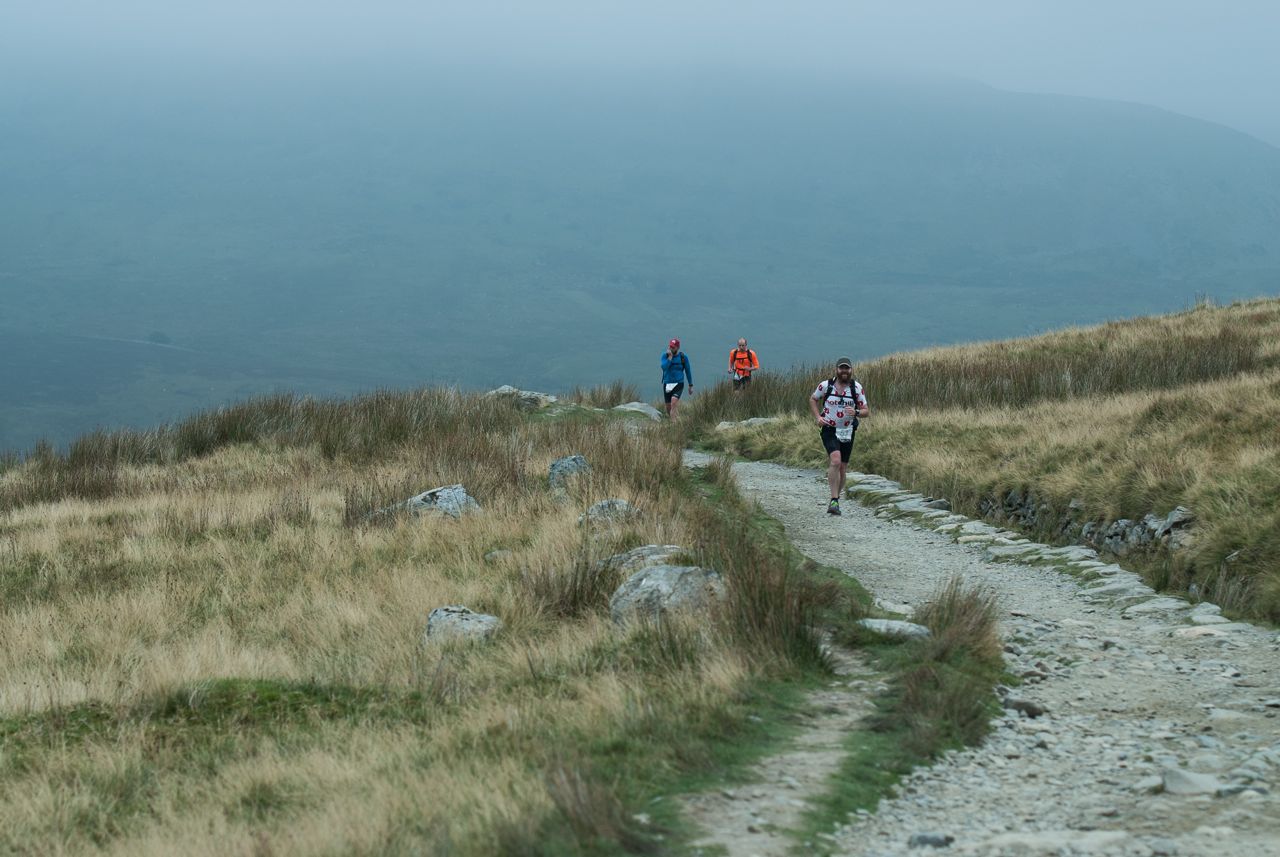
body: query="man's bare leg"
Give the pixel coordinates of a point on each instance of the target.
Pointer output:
(835, 474)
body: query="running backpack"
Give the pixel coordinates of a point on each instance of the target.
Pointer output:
(831, 385)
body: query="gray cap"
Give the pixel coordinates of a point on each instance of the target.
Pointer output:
(844, 361)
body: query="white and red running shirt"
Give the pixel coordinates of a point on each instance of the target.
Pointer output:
(839, 406)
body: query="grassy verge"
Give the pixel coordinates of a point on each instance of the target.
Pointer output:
(1126, 419)
(261, 685)
(942, 696)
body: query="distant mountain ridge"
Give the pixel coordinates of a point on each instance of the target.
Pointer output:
(465, 226)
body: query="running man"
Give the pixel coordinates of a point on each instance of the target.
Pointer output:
(836, 405)
(742, 362)
(675, 371)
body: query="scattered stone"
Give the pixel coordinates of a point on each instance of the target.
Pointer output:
(1055, 842)
(1025, 706)
(659, 590)
(893, 607)
(1179, 782)
(640, 408)
(455, 622)
(930, 840)
(562, 468)
(613, 511)
(1154, 606)
(1149, 785)
(894, 627)
(637, 558)
(750, 423)
(526, 400)
(451, 500)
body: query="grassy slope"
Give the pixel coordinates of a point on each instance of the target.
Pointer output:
(206, 651)
(1130, 417)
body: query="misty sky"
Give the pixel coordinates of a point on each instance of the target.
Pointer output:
(1213, 60)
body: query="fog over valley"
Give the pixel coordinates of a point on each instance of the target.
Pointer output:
(194, 217)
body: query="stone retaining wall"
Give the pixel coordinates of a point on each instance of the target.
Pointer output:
(1029, 511)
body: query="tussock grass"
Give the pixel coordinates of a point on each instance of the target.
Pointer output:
(1152, 353)
(217, 653)
(1181, 410)
(359, 429)
(943, 693)
(605, 395)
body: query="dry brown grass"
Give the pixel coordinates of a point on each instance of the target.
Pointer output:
(215, 656)
(1198, 437)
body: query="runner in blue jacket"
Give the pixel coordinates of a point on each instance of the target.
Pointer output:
(675, 371)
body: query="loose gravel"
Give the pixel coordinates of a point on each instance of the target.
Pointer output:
(1141, 726)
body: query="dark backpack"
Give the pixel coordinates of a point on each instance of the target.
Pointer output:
(831, 385)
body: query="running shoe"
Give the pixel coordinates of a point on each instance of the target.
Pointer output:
(833, 508)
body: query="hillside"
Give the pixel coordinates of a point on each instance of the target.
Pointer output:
(1105, 423)
(350, 233)
(218, 636)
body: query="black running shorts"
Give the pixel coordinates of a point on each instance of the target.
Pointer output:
(831, 443)
(739, 383)
(672, 394)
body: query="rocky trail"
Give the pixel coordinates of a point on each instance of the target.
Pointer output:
(1143, 725)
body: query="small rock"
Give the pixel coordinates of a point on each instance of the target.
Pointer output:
(637, 558)
(1179, 782)
(611, 511)
(640, 408)
(455, 622)
(526, 400)
(1025, 706)
(562, 468)
(894, 627)
(1149, 785)
(497, 556)
(451, 500)
(930, 840)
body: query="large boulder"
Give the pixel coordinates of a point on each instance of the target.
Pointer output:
(455, 622)
(640, 408)
(661, 590)
(526, 400)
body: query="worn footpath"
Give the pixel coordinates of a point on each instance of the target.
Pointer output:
(1141, 725)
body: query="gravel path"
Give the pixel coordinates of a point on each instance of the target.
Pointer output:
(1158, 725)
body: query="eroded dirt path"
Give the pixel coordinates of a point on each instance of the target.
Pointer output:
(1161, 726)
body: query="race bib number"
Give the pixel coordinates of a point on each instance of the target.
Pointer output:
(844, 434)
(671, 387)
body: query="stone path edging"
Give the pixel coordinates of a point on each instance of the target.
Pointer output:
(1143, 725)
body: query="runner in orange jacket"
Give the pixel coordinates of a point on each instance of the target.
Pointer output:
(742, 362)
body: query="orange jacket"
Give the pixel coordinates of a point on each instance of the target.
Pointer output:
(743, 362)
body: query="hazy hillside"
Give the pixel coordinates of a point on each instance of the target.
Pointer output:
(551, 230)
